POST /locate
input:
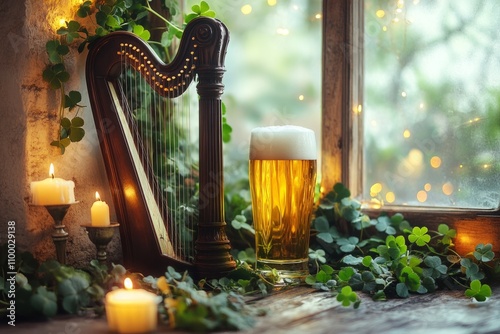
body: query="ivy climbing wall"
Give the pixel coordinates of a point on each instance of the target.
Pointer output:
(29, 122)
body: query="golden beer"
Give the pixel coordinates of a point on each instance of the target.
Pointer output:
(282, 174)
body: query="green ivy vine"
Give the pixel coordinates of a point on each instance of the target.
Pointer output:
(108, 16)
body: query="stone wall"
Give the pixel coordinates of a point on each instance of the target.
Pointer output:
(29, 122)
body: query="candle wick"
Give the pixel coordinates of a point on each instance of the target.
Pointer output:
(52, 175)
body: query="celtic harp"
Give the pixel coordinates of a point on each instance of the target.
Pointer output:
(137, 101)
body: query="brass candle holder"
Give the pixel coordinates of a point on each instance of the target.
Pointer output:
(100, 237)
(59, 236)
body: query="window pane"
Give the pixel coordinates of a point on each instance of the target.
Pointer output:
(273, 67)
(432, 102)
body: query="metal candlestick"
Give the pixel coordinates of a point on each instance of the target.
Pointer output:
(100, 237)
(59, 236)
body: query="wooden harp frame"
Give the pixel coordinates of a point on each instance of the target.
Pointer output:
(205, 42)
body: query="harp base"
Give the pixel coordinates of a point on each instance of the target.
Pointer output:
(213, 258)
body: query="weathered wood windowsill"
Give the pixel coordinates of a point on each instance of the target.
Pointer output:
(300, 310)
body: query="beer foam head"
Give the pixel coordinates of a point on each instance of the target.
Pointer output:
(286, 142)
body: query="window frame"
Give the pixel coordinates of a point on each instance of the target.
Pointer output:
(342, 137)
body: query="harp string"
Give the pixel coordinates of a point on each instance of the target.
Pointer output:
(160, 128)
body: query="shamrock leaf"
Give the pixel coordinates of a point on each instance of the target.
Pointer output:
(347, 245)
(55, 75)
(384, 224)
(472, 271)
(84, 9)
(478, 291)
(341, 192)
(349, 209)
(73, 291)
(56, 51)
(436, 268)
(325, 274)
(318, 254)
(326, 233)
(141, 32)
(352, 260)
(394, 247)
(419, 236)
(72, 99)
(484, 253)
(71, 31)
(447, 233)
(346, 273)
(44, 301)
(410, 279)
(347, 296)
(203, 9)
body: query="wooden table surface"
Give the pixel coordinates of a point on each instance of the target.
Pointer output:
(301, 310)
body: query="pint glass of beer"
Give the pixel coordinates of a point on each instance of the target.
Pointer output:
(282, 174)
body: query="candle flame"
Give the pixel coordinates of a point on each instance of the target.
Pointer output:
(97, 197)
(128, 283)
(51, 170)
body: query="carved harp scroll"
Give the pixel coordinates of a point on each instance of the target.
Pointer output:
(145, 226)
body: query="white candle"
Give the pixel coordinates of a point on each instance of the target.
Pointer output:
(131, 310)
(52, 191)
(99, 212)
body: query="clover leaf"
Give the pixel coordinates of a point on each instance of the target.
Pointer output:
(435, 268)
(318, 254)
(472, 271)
(447, 233)
(347, 245)
(326, 233)
(240, 223)
(73, 292)
(203, 9)
(55, 75)
(346, 273)
(84, 9)
(71, 31)
(419, 236)
(72, 99)
(56, 51)
(44, 301)
(410, 279)
(71, 131)
(394, 247)
(384, 224)
(484, 253)
(141, 32)
(347, 296)
(478, 291)
(398, 222)
(362, 222)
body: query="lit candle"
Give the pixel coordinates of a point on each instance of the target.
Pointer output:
(131, 310)
(52, 191)
(99, 212)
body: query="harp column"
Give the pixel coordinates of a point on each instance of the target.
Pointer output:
(212, 257)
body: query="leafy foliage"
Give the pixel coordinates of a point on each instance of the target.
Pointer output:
(478, 291)
(386, 257)
(120, 15)
(186, 306)
(48, 288)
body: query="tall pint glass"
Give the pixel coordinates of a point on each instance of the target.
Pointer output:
(282, 174)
